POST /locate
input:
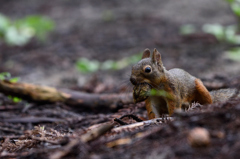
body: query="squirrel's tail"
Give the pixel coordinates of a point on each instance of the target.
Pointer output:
(203, 96)
(222, 95)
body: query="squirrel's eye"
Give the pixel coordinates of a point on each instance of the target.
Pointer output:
(147, 69)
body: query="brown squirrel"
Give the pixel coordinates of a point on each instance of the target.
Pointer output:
(177, 87)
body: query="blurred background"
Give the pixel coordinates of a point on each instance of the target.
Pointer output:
(69, 43)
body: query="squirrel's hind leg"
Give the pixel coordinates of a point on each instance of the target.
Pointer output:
(202, 94)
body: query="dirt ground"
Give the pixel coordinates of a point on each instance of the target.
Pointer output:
(111, 29)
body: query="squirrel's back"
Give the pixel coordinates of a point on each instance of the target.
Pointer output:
(182, 75)
(183, 80)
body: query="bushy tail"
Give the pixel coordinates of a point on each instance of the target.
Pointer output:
(222, 95)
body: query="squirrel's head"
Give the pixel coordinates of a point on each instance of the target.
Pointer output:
(149, 70)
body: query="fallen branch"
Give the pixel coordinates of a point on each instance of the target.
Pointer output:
(46, 94)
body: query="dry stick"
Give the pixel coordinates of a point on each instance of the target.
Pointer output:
(46, 94)
(95, 133)
(42, 139)
(139, 124)
(66, 150)
(137, 137)
(89, 136)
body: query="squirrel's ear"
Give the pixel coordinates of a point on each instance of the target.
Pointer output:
(156, 57)
(146, 54)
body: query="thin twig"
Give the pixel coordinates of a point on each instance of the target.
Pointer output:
(120, 121)
(66, 149)
(134, 117)
(139, 124)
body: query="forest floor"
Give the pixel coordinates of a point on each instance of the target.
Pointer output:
(115, 30)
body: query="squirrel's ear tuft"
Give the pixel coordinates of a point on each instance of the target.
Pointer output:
(156, 57)
(146, 54)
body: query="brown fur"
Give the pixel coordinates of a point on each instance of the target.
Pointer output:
(202, 94)
(151, 115)
(180, 87)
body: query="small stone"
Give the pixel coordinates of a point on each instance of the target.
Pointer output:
(199, 137)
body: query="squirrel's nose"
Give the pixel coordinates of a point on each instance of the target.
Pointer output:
(133, 81)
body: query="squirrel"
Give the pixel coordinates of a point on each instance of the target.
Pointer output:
(177, 88)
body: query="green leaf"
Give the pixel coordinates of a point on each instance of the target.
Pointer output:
(14, 80)
(109, 64)
(230, 1)
(16, 36)
(234, 54)
(21, 31)
(237, 39)
(15, 99)
(108, 16)
(122, 63)
(236, 8)
(42, 127)
(4, 75)
(230, 34)
(4, 23)
(187, 29)
(215, 29)
(162, 93)
(40, 25)
(86, 66)
(134, 58)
